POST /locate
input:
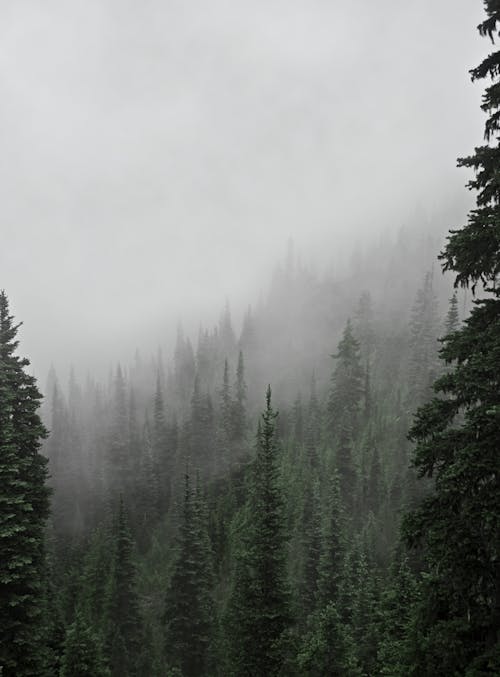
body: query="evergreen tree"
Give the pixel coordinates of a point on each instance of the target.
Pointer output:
(189, 609)
(424, 330)
(147, 504)
(160, 447)
(93, 580)
(365, 609)
(327, 649)
(331, 561)
(239, 425)
(259, 607)
(24, 509)
(118, 451)
(313, 427)
(82, 652)
(397, 607)
(123, 615)
(343, 409)
(225, 406)
(201, 433)
(457, 436)
(312, 542)
(452, 318)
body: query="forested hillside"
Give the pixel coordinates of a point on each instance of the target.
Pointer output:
(310, 492)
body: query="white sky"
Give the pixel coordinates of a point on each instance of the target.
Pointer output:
(155, 155)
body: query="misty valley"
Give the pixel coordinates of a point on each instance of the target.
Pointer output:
(304, 485)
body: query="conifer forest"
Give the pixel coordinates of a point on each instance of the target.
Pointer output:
(301, 483)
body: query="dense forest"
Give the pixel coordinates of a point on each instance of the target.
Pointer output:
(315, 493)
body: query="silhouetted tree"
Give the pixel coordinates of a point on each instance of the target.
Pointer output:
(24, 509)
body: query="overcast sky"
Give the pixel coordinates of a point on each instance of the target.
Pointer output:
(156, 155)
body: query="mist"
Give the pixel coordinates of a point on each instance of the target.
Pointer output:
(156, 157)
(256, 428)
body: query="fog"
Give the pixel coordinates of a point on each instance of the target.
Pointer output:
(156, 156)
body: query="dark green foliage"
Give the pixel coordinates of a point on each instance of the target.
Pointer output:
(123, 619)
(397, 609)
(225, 403)
(458, 525)
(93, 583)
(331, 561)
(327, 649)
(452, 318)
(24, 500)
(259, 607)
(319, 503)
(312, 544)
(82, 652)
(472, 252)
(189, 611)
(365, 609)
(458, 438)
(225, 427)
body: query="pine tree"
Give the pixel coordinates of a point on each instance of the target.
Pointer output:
(327, 649)
(82, 652)
(313, 427)
(458, 438)
(189, 610)
(312, 542)
(298, 420)
(92, 595)
(225, 402)
(331, 561)
(452, 318)
(24, 509)
(225, 423)
(161, 451)
(259, 607)
(344, 401)
(397, 607)
(123, 614)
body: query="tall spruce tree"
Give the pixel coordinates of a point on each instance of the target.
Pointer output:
(452, 321)
(259, 609)
(189, 610)
(332, 554)
(82, 651)
(458, 437)
(344, 400)
(123, 614)
(24, 500)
